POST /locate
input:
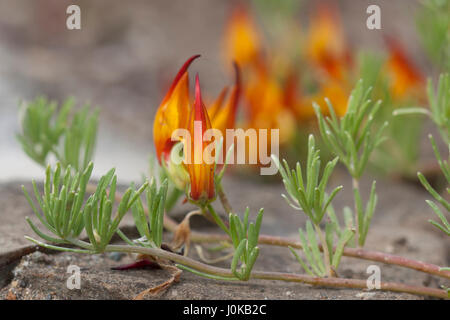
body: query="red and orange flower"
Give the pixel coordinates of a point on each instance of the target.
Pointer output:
(176, 112)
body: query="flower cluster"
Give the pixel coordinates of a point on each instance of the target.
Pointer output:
(280, 85)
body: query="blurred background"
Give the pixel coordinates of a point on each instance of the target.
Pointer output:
(127, 53)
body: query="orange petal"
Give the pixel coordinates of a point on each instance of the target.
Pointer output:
(173, 113)
(201, 174)
(180, 74)
(223, 118)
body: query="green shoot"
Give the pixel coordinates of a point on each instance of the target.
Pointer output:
(439, 103)
(173, 193)
(47, 130)
(444, 165)
(149, 224)
(245, 242)
(308, 192)
(314, 264)
(64, 212)
(353, 138)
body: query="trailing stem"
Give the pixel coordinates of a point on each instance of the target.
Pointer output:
(358, 253)
(225, 274)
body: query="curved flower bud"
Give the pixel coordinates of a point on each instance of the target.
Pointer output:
(173, 113)
(201, 170)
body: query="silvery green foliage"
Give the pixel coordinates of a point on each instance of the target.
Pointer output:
(444, 225)
(439, 112)
(47, 129)
(63, 211)
(439, 106)
(244, 236)
(150, 222)
(352, 137)
(314, 264)
(308, 192)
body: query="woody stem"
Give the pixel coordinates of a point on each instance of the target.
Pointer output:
(289, 277)
(226, 274)
(348, 252)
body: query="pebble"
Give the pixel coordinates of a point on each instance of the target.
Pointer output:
(365, 295)
(116, 256)
(22, 283)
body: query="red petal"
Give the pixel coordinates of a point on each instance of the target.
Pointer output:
(180, 73)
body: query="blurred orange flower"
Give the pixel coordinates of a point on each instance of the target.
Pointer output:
(337, 92)
(242, 41)
(265, 105)
(223, 114)
(404, 76)
(326, 45)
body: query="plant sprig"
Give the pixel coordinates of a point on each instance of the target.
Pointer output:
(149, 224)
(315, 264)
(308, 192)
(444, 165)
(244, 236)
(47, 129)
(352, 137)
(63, 211)
(439, 103)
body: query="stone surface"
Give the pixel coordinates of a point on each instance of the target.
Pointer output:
(43, 276)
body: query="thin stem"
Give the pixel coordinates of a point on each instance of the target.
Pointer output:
(329, 282)
(217, 219)
(223, 199)
(348, 252)
(326, 253)
(358, 253)
(355, 183)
